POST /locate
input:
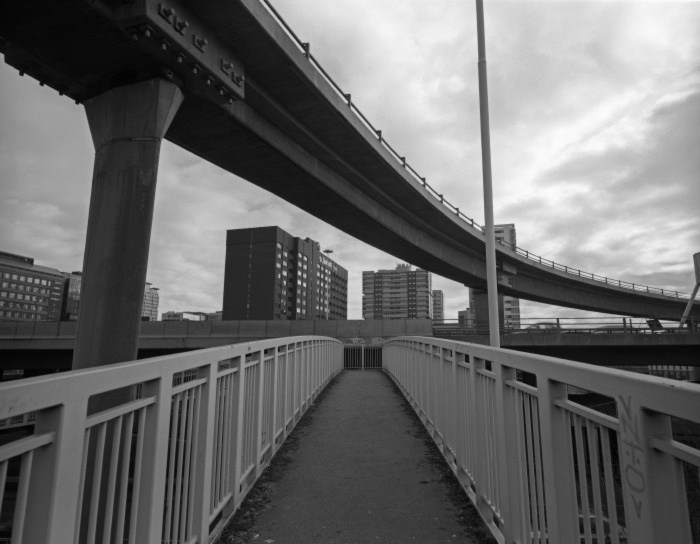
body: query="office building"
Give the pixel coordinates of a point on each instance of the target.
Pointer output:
(270, 274)
(71, 296)
(464, 318)
(191, 316)
(29, 292)
(151, 300)
(71, 299)
(402, 293)
(438, 306)
(183, 316)
(508, 307)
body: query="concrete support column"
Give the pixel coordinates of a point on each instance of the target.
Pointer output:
(127, 125)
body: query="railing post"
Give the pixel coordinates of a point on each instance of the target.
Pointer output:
(653, 484)
(273, 418)
(557, 458)
(155, 435)
(478, 402)
(240, 412)
(285, 387)
(66, 453)
(259, 412)
(205, 453)
(507, 448)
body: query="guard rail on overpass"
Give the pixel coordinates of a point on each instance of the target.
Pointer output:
(541, 462)
(40, 347)
(447, 328)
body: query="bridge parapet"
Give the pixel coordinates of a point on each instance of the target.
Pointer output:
(556, 451)
(201, 334)
(174, 462)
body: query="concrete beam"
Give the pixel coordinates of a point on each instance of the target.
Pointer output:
(127, 125)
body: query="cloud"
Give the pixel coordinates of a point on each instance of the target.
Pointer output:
(594, 133)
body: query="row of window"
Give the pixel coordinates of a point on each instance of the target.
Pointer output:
(22, 287)
(22, 315)
(28, 279)
(22, 296)
(21, 306)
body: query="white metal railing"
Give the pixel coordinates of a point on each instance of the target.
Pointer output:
(618, 464)
(169, 464)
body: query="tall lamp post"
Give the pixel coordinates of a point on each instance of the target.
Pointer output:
(491, 277)
(686, 313)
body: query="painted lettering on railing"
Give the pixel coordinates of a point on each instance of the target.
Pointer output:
(633, 451)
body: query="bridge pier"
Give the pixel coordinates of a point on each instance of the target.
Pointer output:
(127, 125)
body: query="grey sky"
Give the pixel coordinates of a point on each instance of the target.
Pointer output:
(595, 139)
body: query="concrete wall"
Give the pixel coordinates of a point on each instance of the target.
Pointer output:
(49, 344)
(204, 334)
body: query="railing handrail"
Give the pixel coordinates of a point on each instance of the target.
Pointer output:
(197, 429)
(539, 461)
(304, 48)
(566, 325)
(50, 389)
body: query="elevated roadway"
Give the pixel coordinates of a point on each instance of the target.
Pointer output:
(257, 105)
(50, 345)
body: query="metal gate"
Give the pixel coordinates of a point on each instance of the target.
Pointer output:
(362, 357)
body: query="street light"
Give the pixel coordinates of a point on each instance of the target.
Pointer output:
(491, 278)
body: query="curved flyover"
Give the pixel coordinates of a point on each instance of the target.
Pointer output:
(259, 106)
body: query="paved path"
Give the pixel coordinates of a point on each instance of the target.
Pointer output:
(359, 468)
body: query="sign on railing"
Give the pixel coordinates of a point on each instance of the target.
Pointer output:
(555, 451)
(172, 461)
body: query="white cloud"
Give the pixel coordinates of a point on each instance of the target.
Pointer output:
(594, 109)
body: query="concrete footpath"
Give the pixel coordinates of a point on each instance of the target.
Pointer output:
(358, 468)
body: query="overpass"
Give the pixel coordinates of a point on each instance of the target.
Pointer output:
(257, 104)
(41, 347)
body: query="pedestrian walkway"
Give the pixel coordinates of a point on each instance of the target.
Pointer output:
(359, 468)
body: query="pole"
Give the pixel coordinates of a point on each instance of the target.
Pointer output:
(491, 279)
(689, 306)
(686, 313)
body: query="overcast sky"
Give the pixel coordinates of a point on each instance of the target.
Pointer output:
(595, 123)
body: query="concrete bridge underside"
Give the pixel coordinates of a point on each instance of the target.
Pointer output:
(281, 126)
